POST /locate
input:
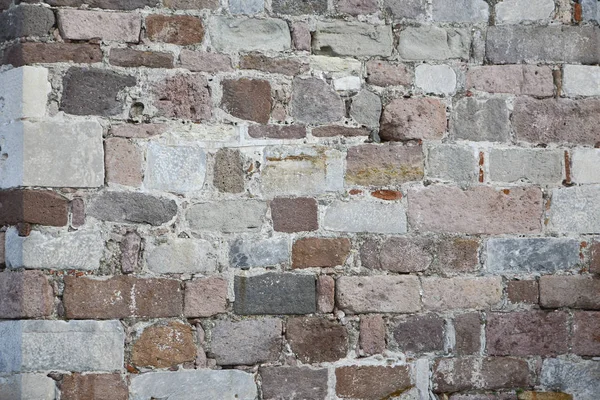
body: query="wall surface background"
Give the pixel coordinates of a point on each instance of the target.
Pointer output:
(309, 199)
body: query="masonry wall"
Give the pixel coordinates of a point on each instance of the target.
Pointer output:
(309, 199)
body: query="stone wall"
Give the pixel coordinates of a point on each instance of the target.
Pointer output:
(300, 199)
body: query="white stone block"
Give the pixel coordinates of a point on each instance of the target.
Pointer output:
(27, 387)
(347, 83)
(23, 93)
(585, 165)
(178, 169)
(365, 216)
(181, 256)
(249, 34)
(516, 11)
(436, 79)
(337, 66)
(575, 209)
(581, 80)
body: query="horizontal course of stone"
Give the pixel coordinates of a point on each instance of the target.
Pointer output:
(299, 199)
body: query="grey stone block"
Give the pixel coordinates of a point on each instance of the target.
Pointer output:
(229, 171)
(460, 11)
(178, 169)
(227, 216)
(246, 342)
(245, 253)
(132, 207)
(480, 120)
(26, 20)
(516, 11)
(293, 383)
(410, 9)
(527, 255)
(590, 10)
(295, 7)
(365, 216)
(315, 102)
(430, 42)
(275, 293)
(575, 209)
(452, 162)
(366, 108)
(181, 256)
(539, 166)
(240, 34)
(246, 6)
(352, 39)
(187, 385)
(27, 387)
(578, 378)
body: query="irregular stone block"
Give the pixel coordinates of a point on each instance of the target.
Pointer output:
(366, 108)
(575, 209)
(183, 96)
(132, 207)
(240, 34)
(436, 79)
(530, 80)
(523, 292)
(585, 330)
(25, 20)
(414, 118)
(205, 297)
(315, 102)
(372, 334)
(357, 381)
(130, 58)
(109, 26)
(247, 7)
(204, 61)
(227, 216)
(383, 73)
(578, 378)
(107, 4)
(293, 382)
(25, 294)
(248, 99)
(42, 207)
(325, 294)
(538, 166)
(430, 42)
(569, 291)
(295, 214)
(25, 92)
(419, 334)
(517, 11)
(359, 39)
(229, 171)
(365, 216)
(320, 252)
(164, 346)
(454, 293)
(467, 331)
(183, 30)
(181, 256)
(461, 11)
(386, 294)
(316, 340)
(123, 162)
(96, 386)
(245, 253)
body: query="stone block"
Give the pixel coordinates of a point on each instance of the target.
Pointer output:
(584, 164)
(103, 25)
(365, 216)
(204, 61)
(414, 118)
(356, 7)
(449, 162)
(247, 7)
(132, 207)
(97, 386)
(28, 386)
(184, 97)
(181, 256)
(25, 92)
(569, 291)
(430, 42)
(325, 294)
(537, 166)
(436, 79)
(473, 11)
(409, 9)
(229, 175)
(480, 120)
(183, 30)
(575, 209)
(106, 4)
(530, 80)
(227, 216)
(440, 294)
(293, 382)
(578, 378)
(248, 253)
(317, 340)
(419, 333)
(292, 7)
(178, 169)
(164, 346)
(581, 80)
(26, 20)
(366, 108)
(356, 381)
(240, 34)
(320, 252)
(383, 165)
(356, 39)
(467, 332)
(585, 330)
(277, 131)
(248, 99)
(25, 294)
(385, 294)
(517, 11)
(205, 297)
(123, 162)
(42, 207)
(294, 214)
(130, 58)
(523, 292)
(383, 73)
(372, 334)
(315, 102)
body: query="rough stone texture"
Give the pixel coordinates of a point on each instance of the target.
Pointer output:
(373, 165)
(366, 109)
(430, 42)
(237, 34)
(183, 96)
(135, 58)
(177, 29)
(59, 345)
(455, 163)
(530, 80)
(32, 53)
(419, 334)
(480, 120)
(275, 293)
(467, 332)
(248, 7)
(556, 120)
(315, 102)
(585, 333)
(581, 80)
(33, 206)
(248, 99)
(569, 291)
(93, 91)
(177, 169)
(132, 207)
(294, 214)
(537, 255)
(29, 386)
(315, 340)
(227, 216)
(285, 66)
(372, 334)
(181, 256)
(163, 346)
(365, 216)
(26, 294)
(123, 162)
(356, 7)
(357, 381)
(320, 252)
(93, 386)
(192, 4)
(25, 20)
(476, 210)
(436, 79)
(107, 4)
(538, 166)
(185, 385)
(352, 39)
(583, 165)
(461, 11)
(130, 252)
(27, 89)
(301, 36)
(246, 342)
(401, 254)
(410, 9)
(382, 73)
(145, 298)
(293, 383)
(325, 294)
(579, 379)
(418, 118)
(523, 292)
(204, 61)
(544, 396)
(558, 43)
(527, 333)
(291, 7)
(339, 130)
(575, 209)
(388, 294)
(88, 25)
(205, 297)
(141, 131)
(516, 11)
(277, 131)
(245, 253)
(462, 292)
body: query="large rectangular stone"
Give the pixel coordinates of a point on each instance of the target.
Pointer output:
(130, 207)
(530, 80)
(430, 42)
(37, 154)
(247, 253)
(63, 250)
(275, 293)
(475, 210)
(25, 294)
(461, 292)
(25, 20)
(537, 166)
(569, 291)
(103, 25)
(293, 382)
(25, 93)
(249, 34)
(352, 39)
(59, 345)
(517, 11)
(181, 256)
(575, 209)
(227, 216)
(480, 120)
(450, 162)
(188, 384)
(365, 216)
(28, 386)
(177, 169)
(581, 80)
(461, 11)
(387, 294)
(576, 377)
(584, 165)
(527, 255)
(515, 44)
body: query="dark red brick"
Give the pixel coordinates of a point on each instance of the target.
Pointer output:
(320, 252)
(338, 130)
(26, 294)
(467, 329)
(372, 334)
(93, 387)
(285, 66)
(20, 54)
(277, 131)
(139, 58)
(315, 340)
(248, 99)
(523, 292)
(294, 214)
(586, 333)
(42, 207)
(371, 382)
(419, 333)
(177, 29)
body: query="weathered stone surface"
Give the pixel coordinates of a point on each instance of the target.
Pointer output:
(569, 291)
(462, 292)
(530, 80)
(316, 340)
(516, 11)
(130, 252)
(467, 332)
(228, 171)
(581, 80)
(42, 207)
(30, 386)
(356, 7)
(93, 386)
(60, 345)
(181, 256)
(32, 53)
(456, 254)
(372, 334)
(434, 43)
(410, 9)
(583, 165)
(557, 120)
(131, 58)
(480, 120)
(293, 383)
(275, 293)
(294, 214)
(247, 7)
(404, 255)
(163, 346)
(365, 216)
(585, 333)
(523, 292)
(301, 36)
(240, 34)
(246, 253)
(107, 4)
(227, 216)
(436, 79)
(315, 102)
(339, 130)
(594, 257)
(416, 118)
(285, 66)
(325, 294)
(277, 131)
(366, 108)
(352, 39)
(178, 169)
(449, 162)
(460, 11)
(25, 20)
(419, 333)
(192, 4)
(578, 378)
(177, 29)
(204, 61)
(383, 73)
(291, 7)
(527, 255)
(527, 333)
(123, 162)
(544, 396)
(357, 381)
(558, 43)
(28, 89)
(476, 210)
(25, 294)
(538, 166)
(73, 250)
(183, 96)
(93, 91)
(185, 385)
(122, 297)
(248, 99)
(246, 342)
(132, 207)
(109, 26)
(575, 209)
(383, 165)
(320, 252)
(205, 297)
(142, 131)
(364, 294)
